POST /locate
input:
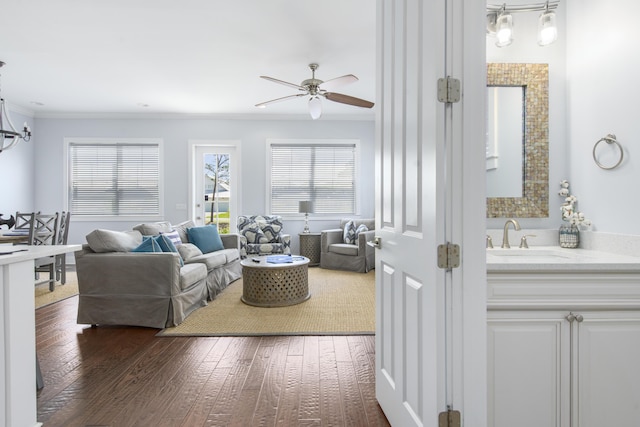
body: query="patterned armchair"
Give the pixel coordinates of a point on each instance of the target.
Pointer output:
(262, 235)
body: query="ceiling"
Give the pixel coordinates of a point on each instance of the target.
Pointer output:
(193, 57)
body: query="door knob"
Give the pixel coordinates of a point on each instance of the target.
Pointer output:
(376, 243)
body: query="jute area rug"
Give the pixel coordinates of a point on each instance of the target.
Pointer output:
(341, 303)
(45, 297)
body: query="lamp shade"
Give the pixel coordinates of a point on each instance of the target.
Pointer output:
(305, 206)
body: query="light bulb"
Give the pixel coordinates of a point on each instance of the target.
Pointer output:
(504, 30)
(547, 29)
(315, 107)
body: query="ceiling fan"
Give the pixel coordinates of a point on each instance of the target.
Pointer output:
(315, 88)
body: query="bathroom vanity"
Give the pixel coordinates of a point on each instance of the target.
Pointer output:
(563, 338)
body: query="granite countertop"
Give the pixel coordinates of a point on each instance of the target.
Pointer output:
(551, 259)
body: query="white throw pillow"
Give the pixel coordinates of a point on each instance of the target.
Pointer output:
(349, 233)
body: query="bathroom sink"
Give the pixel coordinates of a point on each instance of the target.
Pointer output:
(530, 252)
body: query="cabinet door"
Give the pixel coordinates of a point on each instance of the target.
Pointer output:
(607, 369)
(528, 369)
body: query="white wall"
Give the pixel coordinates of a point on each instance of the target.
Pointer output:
(525, 49)
(17, 173)
(603, 96)
(49, 159)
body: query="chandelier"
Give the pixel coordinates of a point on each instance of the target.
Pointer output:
(10, 136)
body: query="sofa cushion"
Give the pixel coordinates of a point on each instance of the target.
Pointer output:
(231, 254)
(153, 228)
(188, 251)
(206, 238)
(101, 240)
(148, 245)
(174, 236)
(182, 230)
(211, 260)
(344, 249)
(265, 248)
(349, 232)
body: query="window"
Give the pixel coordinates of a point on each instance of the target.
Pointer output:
(114, 178)
(323, 172)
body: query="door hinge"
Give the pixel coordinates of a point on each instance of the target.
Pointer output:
(450, 418)
(449, 256)
(449, 90)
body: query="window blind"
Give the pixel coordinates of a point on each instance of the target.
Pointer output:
(324, 174)
(114, 179)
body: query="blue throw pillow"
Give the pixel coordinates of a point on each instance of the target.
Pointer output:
(206, 238)
(163, 243)
(147, 245)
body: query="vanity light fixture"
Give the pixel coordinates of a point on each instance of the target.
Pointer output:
(500, 22)
(504, 29)
(547, 28)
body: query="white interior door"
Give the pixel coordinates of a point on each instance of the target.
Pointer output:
(430, 183)
(410, 209)
(215, 184)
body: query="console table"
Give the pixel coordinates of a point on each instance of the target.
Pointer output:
(18, 394)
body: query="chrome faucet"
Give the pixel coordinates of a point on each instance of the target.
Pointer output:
(505, 236)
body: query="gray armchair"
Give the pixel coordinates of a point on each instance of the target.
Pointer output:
(337, 255)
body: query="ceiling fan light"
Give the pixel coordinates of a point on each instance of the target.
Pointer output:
(315, 107)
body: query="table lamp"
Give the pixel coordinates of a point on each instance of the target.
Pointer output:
(305, 207)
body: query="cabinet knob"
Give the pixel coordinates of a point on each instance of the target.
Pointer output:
(577, 317)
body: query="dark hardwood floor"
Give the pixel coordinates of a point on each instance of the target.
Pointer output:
(125, 376)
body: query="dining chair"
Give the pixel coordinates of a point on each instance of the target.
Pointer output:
(43, 232)
(61, 239)
(24, 220)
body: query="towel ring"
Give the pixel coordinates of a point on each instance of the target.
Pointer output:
(609, 139)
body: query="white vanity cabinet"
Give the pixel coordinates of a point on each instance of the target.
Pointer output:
(563, 349)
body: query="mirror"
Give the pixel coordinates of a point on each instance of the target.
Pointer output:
(532, 81)
(505, 139)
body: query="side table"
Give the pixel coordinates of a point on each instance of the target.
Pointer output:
(310, 247)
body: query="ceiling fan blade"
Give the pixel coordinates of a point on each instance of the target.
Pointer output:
(338, 81)
(284, 98)
(346, 99)
(293, 85)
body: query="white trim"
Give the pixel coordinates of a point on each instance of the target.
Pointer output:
(85, 140)
(193, 145)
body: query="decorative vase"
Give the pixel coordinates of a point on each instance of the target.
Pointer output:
(569, 236)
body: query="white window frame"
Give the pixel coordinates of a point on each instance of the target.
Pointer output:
(307, 142)
(96, 141)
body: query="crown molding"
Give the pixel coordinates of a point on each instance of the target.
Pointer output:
(183, 116)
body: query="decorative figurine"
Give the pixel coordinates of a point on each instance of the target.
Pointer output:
(8, 222)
